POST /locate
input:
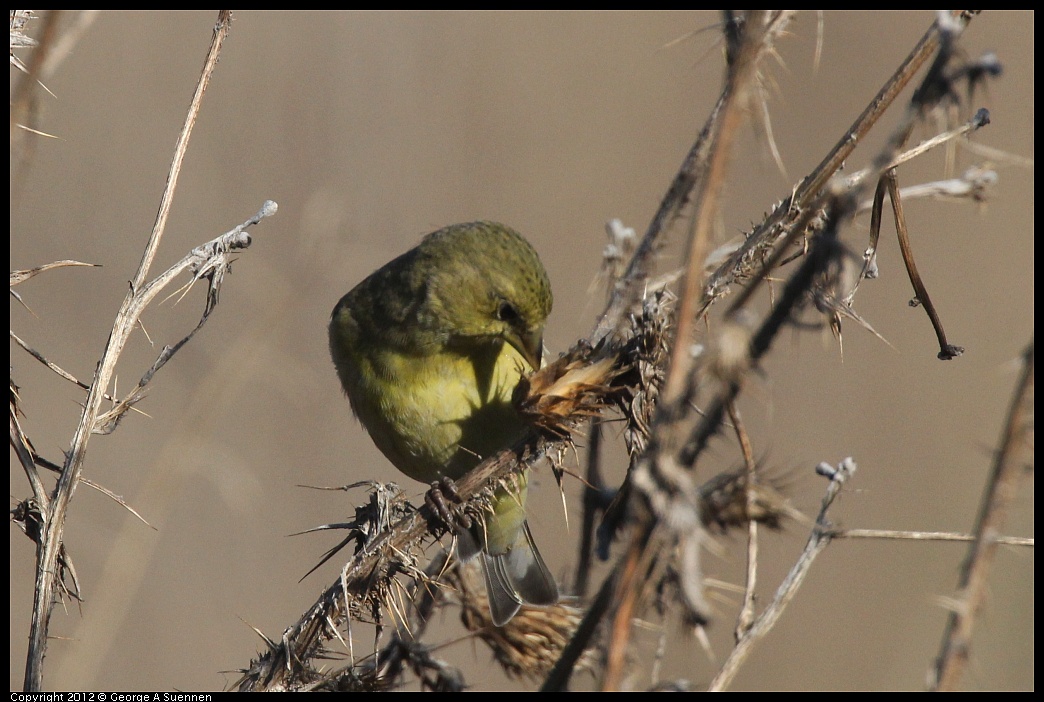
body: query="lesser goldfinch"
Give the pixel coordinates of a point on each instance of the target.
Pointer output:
(429, 349)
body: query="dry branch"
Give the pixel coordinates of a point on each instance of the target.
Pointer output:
(209, 262)
(1000, 490)
(660, 497)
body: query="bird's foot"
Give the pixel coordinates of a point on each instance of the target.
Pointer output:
(438, 498)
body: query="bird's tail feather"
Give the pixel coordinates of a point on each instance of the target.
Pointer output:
(517, 576)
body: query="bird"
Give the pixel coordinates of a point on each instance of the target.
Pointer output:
(429, 349)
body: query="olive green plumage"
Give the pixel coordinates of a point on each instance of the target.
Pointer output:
(429, 349)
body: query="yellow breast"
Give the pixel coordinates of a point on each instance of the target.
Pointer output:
(438, 415)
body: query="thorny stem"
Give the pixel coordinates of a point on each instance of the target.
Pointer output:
(812, 184)
(799, 207)
(677, 383)
(627, 290)
(707, 202)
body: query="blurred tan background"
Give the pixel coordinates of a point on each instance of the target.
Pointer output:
(372, 129)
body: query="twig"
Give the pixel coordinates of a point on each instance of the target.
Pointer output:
(947, 350)
(888, 534)
(980, 119)
(24, 450)
(558, 679)
(746, 615)
(818, 540)
(54, 367)
(594, 504)
(23, 98)
(1001, 488)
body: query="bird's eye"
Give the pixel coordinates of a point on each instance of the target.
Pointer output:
(506, 312)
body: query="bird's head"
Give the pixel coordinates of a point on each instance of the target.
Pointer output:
(488, 284)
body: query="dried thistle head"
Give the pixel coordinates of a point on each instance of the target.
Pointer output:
(647, 351)
(725, 502)
(529, 645)
(587, 380)
(578, 385)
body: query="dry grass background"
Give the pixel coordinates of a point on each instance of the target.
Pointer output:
(371, 129)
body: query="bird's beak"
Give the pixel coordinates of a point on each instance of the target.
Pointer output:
(530, 346)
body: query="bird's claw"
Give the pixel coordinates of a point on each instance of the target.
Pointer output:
(438, 498)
